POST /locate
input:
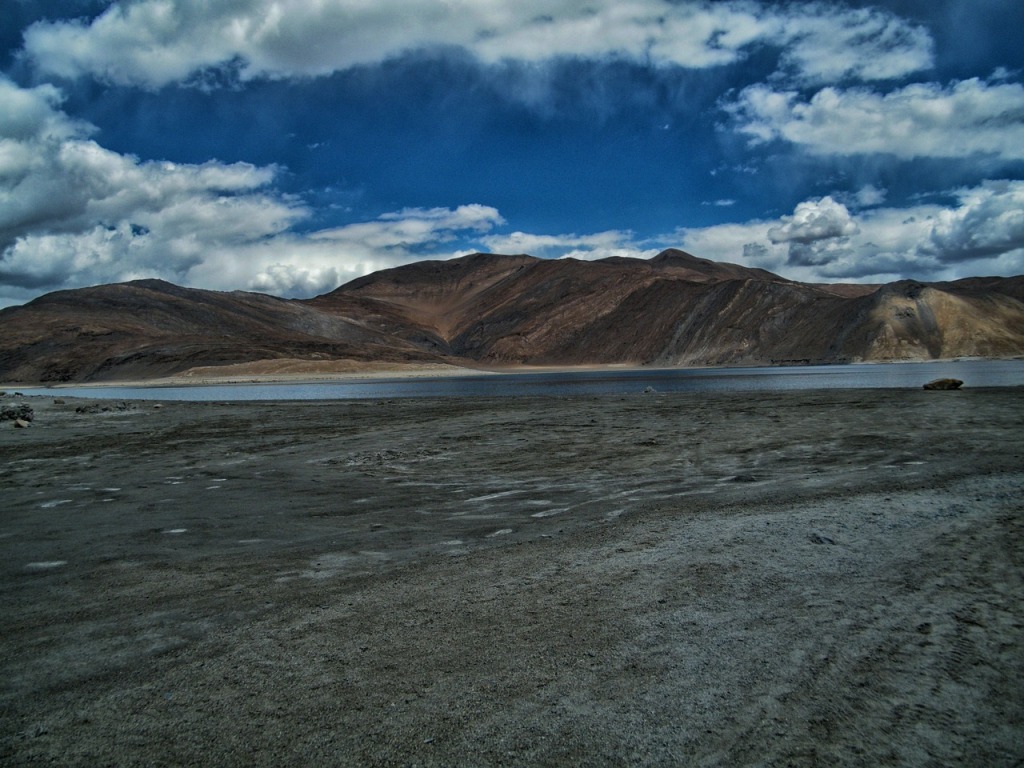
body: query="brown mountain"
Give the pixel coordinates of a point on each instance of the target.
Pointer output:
(492, 310)
(150, 328)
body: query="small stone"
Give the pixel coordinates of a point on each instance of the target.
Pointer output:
(21, 424)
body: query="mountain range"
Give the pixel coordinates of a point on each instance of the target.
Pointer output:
(494, 311)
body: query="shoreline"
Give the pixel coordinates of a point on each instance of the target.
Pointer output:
(201, 377)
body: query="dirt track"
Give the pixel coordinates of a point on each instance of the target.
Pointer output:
(810, 578)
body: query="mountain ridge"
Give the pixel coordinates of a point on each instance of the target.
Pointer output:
(496, 310)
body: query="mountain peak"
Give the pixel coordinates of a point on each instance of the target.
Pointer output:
(676, 259)
(679, 256)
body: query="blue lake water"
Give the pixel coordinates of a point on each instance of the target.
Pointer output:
(975, 373)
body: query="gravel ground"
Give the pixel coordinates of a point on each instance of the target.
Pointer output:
(803, 578)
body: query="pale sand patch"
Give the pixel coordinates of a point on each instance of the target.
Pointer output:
(297, 372)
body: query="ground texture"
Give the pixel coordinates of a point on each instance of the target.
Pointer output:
(807, 578)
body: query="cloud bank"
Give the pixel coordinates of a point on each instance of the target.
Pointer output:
(73, 214)
(981, 233)
(965, 118)
(152, 43)
(828, 82)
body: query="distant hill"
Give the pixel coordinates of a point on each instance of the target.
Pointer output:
(496, 310)
(150, 328)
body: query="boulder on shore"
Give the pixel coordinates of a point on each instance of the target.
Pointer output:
(944, 384)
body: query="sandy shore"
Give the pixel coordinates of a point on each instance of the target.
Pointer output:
(806, 578)
(305, 373)
(277, 372)
(311, 371)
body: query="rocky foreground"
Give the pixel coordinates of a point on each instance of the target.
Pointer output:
(807, 578)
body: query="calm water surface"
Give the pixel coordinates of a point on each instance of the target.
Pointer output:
(975, 373)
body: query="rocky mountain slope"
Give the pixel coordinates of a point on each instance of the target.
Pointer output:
(149, 328)
(494, 310)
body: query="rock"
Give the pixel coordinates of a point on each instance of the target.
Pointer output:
(123, 405)
(21, 424)
(15, 412)
(58, 401)
(944, 384)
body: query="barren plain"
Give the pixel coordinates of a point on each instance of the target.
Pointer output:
(805, 578)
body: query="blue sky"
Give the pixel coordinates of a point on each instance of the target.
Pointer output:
(287, 146)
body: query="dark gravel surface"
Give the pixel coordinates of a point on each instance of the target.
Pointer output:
(806, 578)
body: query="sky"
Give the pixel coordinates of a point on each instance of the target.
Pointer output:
(289, 146)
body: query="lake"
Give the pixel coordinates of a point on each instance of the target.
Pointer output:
(975, 373)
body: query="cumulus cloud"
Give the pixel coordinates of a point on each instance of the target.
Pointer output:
(74, 213)
(817, 233)
(155, 42)
(31, 113)
(813, 220)
(966, 118)
(988, 222)
(822, 241)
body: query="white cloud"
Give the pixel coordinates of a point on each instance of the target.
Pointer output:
(814, 220)
(301, 279)
(155, 42)
(305, 265)
(415, 226)
(969, 117)
(822, 241)
(989, 222)
(863, 44)
(818, 233)
(30, 113)
(868, 196)
(728, 242)
(600, 245)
